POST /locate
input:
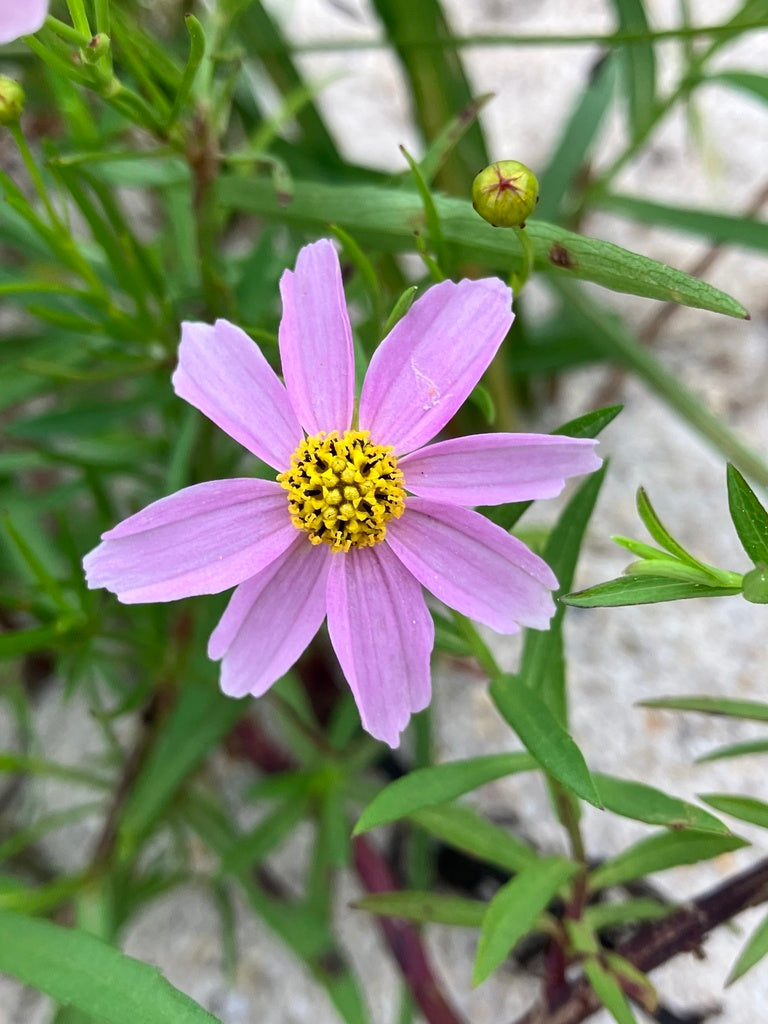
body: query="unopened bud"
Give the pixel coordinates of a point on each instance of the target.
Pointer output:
(505, 193)
(11, 100)
(95, 50)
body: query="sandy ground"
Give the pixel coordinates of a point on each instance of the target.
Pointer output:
(617, 657)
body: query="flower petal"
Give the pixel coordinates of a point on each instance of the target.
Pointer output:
(473, 565)
(200, 540)
(270, 619)
(21, 19)
(489, 469)
(382, 633)
(224, 375)
(316, 340)
(429, 362)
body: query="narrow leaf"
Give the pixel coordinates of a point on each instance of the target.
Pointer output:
(200, 718)
(514, 909)
(660, 851)
(542, 734)
(639, 66)
(439, 784)
(78, 969)
(640, 802)
(735, 750)
(628, 590)
(576, 140)
(426, 907)
(608, 915)
(746, 808)
(749, 517)
(469, 831)
(754, 951)
(386, 218)
(719, 228)
(608, 991)
(751, 710)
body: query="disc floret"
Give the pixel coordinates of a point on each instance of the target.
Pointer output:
(343, 489)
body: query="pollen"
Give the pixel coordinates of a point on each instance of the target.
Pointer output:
(343, 489)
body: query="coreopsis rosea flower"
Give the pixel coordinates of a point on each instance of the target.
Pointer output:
(362, 513)
(21, 18)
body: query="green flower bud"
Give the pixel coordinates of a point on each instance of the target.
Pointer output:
(505, 193)
(755, 585)
(11, 100)
(96, 49)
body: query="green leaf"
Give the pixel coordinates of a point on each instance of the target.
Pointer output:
(297, 925)
(751, 710)
(754, 951)
(542, 665)
(660, 851)
(259, 35)
(200, 718)
(449, 136)
(469, 831)
(637, 547)
(749, 517)
(674, 569)
(720, 228)
(659, 532)
(608, 915)
(251, 848)
(756, 85)
(439, 784)
(644, 803)
(542, 734)
(12, 762)
(735, 750)
(78, 969)
(628, 590)
(576, 140)
(639, 66)
(386, 218)
(608, 991)
(514, 909)
(425, 907)
(746, 808)
(438, 85)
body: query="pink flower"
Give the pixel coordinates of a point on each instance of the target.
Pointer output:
(370, 514)
(21, 18)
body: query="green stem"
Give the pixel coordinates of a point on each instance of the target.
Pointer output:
(196, 53)
(34, 172)
(517, 279)
(65, 32)
(79, 17)
(477, 645)
(103, 20)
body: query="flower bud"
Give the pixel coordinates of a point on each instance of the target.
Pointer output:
(505, 193)
(755, 585)
(11, 100)
(96, 49)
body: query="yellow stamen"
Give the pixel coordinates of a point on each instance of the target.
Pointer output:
(343, 489)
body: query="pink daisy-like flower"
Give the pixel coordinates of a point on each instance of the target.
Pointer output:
(21, 18)
(361, 514)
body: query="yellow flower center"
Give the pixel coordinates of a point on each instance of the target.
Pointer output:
(343, 490)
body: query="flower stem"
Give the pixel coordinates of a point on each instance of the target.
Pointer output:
(34, 172)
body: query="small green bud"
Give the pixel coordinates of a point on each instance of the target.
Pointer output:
(96, 49)
(505, 193)
(755, 585)
(11, 100)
